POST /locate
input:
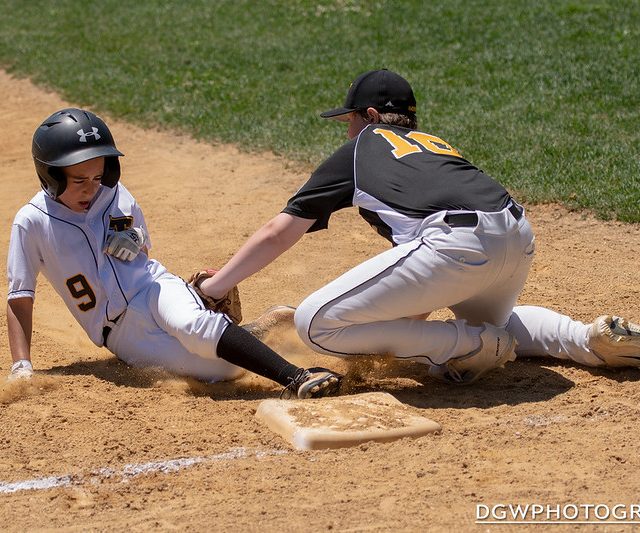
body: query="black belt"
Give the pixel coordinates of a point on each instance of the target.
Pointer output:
(470, 220)
(107, 329)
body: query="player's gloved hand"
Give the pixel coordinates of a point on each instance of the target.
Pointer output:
(21, 369)
(126, 245)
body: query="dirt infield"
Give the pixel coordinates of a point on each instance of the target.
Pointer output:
(93, 445)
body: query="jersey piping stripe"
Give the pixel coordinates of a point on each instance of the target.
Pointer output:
(355, 174)
(115, 275)
(119, 287)
(95, 260)
(372, 278)
(105, 226)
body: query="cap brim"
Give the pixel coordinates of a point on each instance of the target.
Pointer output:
(82, 155)
(338, 114)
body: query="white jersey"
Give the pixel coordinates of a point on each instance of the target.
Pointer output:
(68, 248)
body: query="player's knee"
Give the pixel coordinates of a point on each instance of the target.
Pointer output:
(314, 328)
(200, 334)
(302, 320)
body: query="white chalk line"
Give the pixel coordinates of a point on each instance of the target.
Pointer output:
(130, 471)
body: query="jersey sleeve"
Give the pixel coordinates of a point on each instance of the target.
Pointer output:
(23, 264)
(329, 189)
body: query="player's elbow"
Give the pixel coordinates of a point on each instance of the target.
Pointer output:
(284, 230)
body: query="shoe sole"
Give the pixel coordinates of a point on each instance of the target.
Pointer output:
(624, 328)
(327, 385)
(616, 341)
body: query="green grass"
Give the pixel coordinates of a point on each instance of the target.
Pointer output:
(544, 96)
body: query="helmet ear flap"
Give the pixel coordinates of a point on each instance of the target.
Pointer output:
(52, 179)
(111, 173)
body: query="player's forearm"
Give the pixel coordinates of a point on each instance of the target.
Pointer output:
(263, 247)
(19, 326)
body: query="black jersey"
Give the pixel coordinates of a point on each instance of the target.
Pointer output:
(397, 177)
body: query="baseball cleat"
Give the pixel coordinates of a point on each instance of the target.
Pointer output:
(276, 316)
(497, 347)
(615, 340)
(312, 383)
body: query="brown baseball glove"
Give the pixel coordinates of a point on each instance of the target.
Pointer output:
(229, 304)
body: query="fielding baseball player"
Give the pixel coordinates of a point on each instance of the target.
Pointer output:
(86, 233)
(459, 241)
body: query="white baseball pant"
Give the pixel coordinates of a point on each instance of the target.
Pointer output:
(543, 332)
(166, 325)
(477, 272)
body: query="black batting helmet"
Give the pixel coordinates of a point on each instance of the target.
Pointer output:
(68, 137)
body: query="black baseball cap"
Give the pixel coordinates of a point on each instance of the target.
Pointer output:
(383, 90)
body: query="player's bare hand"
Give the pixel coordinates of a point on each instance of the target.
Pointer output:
(21, 370)
(126, 245)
